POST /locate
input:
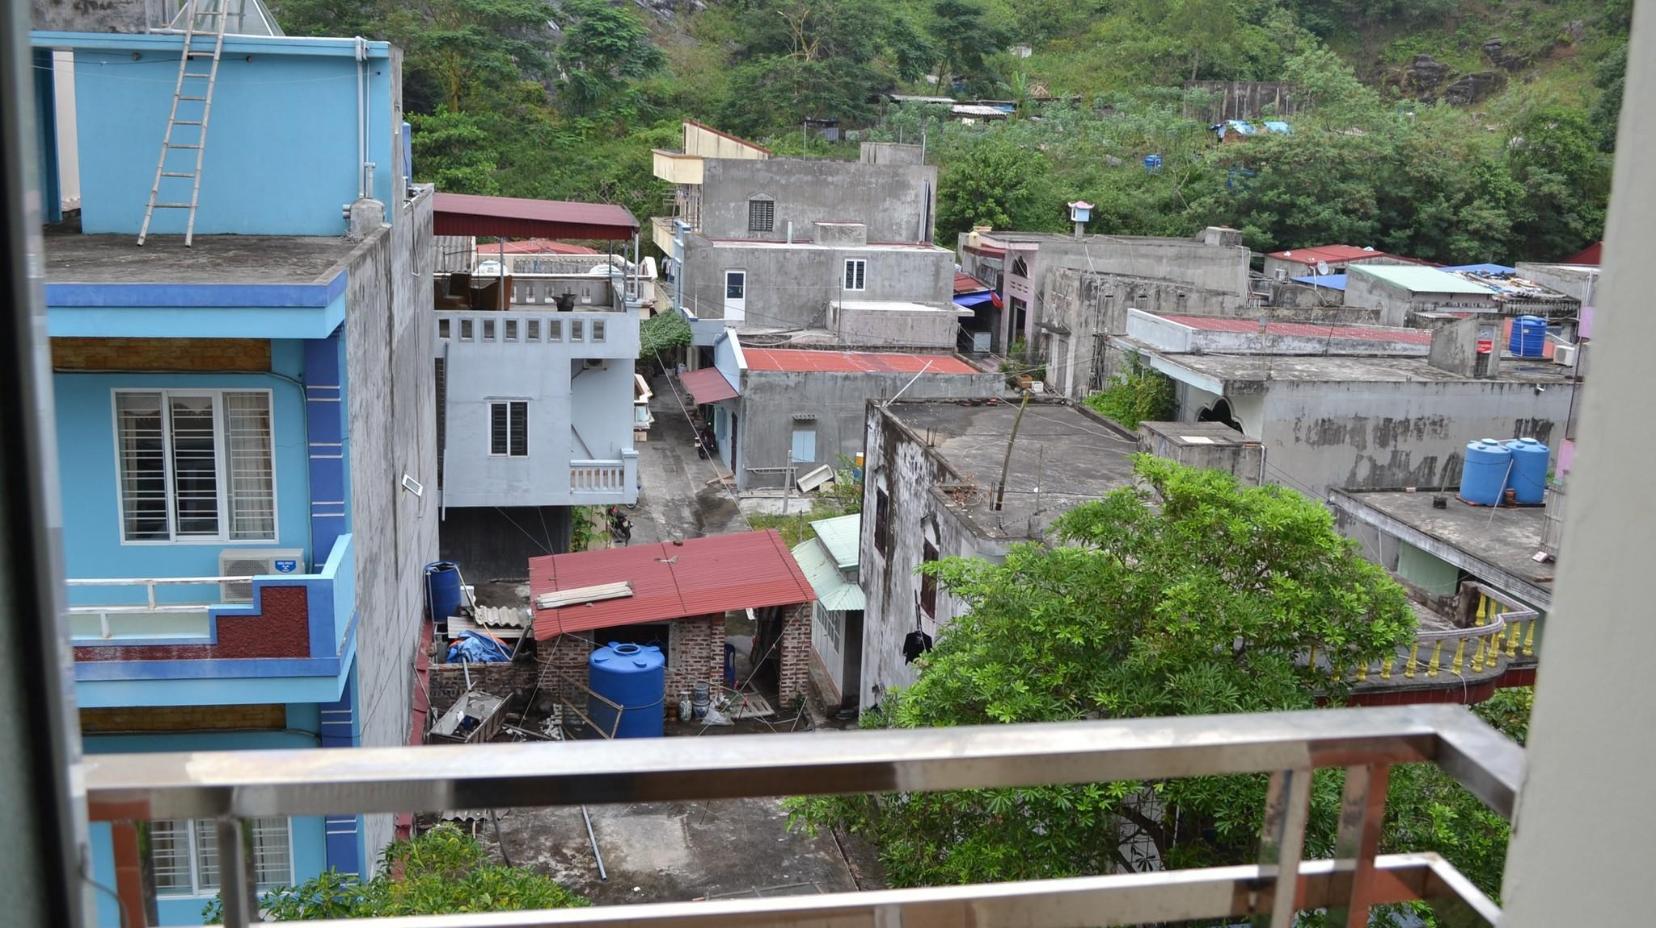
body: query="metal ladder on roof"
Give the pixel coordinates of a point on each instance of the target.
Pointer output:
(197, 78)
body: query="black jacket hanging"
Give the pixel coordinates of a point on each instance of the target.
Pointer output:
(915, 643)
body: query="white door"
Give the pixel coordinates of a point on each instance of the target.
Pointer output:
(735, 299)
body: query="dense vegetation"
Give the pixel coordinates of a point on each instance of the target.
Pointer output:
(439, 872)
(565, 99)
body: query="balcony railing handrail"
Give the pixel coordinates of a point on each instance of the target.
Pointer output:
(233, 786)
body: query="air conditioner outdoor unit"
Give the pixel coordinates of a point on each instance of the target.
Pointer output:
(250, 562)
(1565, 355)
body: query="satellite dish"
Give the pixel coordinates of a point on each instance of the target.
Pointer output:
(1322, 268)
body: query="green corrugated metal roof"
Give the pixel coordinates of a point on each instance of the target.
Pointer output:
(1419, 279)
(841, 535)
(834, 592)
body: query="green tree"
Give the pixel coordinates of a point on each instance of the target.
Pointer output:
(454, 151)
(1610, 77)
(440, 872)
(962, 37)
(1554, 156)
(664, 332)
(464, 54)
(994, 182)
(604, 48)
(1186, 594)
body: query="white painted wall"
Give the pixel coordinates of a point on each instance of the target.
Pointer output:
(1580, 853)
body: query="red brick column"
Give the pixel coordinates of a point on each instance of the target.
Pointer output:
(795, 678)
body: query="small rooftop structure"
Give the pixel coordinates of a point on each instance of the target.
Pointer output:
(701, 576)
(1063, 456)
(1496, 545)
(830, 560)
(1231, 335)
(515, 217)
(1418, 279)
(1332, 254)
(852, 362)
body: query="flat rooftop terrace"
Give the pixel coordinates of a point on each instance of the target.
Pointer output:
(1250, 368)
(1062, 458)
(73, 258)
(1495, 544)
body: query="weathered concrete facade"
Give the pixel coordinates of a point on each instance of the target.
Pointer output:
(776, 405)
(1398, 303)
(1211, 445)
(928, 493)
(896, 201)
(393, 432)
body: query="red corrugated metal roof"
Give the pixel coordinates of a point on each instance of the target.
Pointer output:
(1360, 332)
(966, 283)
(537, 246)
(512, 217)
(1331, 253)
(702, 576)
(707, 385)
(852, 362)
(1592, 254)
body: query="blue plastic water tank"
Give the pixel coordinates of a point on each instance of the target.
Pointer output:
(635, 678)
(442, 580)
(1529, 334)
(1484, 476)
(1529, 471)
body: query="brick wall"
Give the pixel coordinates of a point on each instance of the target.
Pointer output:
(795, 678)
(182, 718)
(695, 652)
(160, 354)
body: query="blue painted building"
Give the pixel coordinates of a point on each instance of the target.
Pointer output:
(245, 427)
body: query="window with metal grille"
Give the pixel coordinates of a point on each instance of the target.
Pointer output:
(928, 583)
(509, 428)
(597, 330)
(195, 465)
(761, 215)
(856, 271)
(511, 330)
(184, 856)
(531, 330)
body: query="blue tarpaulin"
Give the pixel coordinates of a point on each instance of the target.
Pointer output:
(974, 299)
(477, 648)
(1278, 127)
(1325, 281)
(1492, 269)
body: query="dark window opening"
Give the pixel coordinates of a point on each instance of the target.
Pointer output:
(882, 516)
(761, 215)
(928, 583)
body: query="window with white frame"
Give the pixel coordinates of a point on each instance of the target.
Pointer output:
(856, 273)
(509, 428)
(195, 465)
(184, 855)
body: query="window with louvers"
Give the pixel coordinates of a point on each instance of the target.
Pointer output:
(509, 428)
(761, 215)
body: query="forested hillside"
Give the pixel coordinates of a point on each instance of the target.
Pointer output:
(565, 99)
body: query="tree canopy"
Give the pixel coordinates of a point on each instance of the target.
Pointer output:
(1185, 594)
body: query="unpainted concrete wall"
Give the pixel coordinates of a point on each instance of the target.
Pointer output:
(792, 287)
(1396, 305)
(771, 399)
(899, 465)
(393, 431)
(859, 326)
(896, 201)
(1389, 435)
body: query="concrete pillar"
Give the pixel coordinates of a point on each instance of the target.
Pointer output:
(1580, 852)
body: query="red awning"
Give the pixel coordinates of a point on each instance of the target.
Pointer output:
(707, 386)
(510, 217)
(702, 576)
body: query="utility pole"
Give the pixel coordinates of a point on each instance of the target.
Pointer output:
(1006, 462)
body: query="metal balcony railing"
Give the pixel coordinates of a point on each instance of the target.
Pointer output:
(234, 786)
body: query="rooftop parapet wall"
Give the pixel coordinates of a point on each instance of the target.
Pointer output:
(1223, 335)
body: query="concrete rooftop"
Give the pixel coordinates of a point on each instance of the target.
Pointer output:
(1233, 368)
(1495, 544)
(1062, 457)
(73, 258)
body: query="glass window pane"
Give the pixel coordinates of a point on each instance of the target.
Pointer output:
(272, 853)
(206, 846)
(169, 848)
(554, 330)
(531, 330)
(141, 444)
(735, 285)
(195, 465)
(597, 330)
(519, 429)
(498, 428)
(511, 330)
(252, 474)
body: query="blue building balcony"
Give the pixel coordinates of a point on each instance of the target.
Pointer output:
(170, 641)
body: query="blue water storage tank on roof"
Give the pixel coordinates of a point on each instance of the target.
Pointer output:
(634, 678)
(442, 590)
(1529, 471)
(1484, 476)
(1529, 335)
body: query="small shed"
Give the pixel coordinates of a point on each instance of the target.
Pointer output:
(680, 595)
